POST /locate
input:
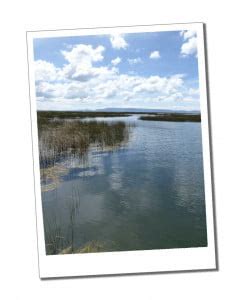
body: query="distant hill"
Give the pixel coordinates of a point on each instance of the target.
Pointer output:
(146, 110)
(130, 110)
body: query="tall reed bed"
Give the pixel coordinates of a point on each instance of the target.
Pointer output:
(65, 139)
(59, 139)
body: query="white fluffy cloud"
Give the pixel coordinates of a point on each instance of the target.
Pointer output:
(80, 62)
(187, 34)
(84, 54)
(118, 41)
(155, 55)
(45, 71)
(83, 84)
(116, 61)
(189, 47)
(133, 61)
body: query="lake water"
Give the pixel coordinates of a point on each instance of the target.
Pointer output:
(148, 194)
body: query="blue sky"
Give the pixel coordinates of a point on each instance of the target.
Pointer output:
(156, 70)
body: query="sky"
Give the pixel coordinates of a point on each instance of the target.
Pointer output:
(147, 70)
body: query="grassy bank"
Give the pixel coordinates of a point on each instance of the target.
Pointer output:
(173, 117)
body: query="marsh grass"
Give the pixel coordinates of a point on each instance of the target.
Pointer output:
(62, 138)
(73, 211)
(68, 139)
(173, 117)
(90, 247)
(51, 177)
(54, 238)
(58, 241)
(62, 141)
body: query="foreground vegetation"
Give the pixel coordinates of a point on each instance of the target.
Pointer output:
(67, 138)
(173, 117)
(61, 138)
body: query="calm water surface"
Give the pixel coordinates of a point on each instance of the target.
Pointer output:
(148, 194)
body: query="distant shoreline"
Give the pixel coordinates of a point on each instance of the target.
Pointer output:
(146, 116)
(173, 117)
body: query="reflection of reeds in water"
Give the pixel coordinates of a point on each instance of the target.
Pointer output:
(65, 141)
(54, 238)
(57, 239)
(73, 209)
(60, 241)
(70, 139)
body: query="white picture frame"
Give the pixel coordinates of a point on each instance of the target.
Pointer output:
(127, 262)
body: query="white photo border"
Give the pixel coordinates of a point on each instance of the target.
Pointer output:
(126, 262)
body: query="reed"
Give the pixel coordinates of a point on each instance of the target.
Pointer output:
(54, 238)
(173, 117)
(62, 139)
(65, 138)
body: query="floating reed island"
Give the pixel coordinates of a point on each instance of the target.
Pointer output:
(173, 117)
